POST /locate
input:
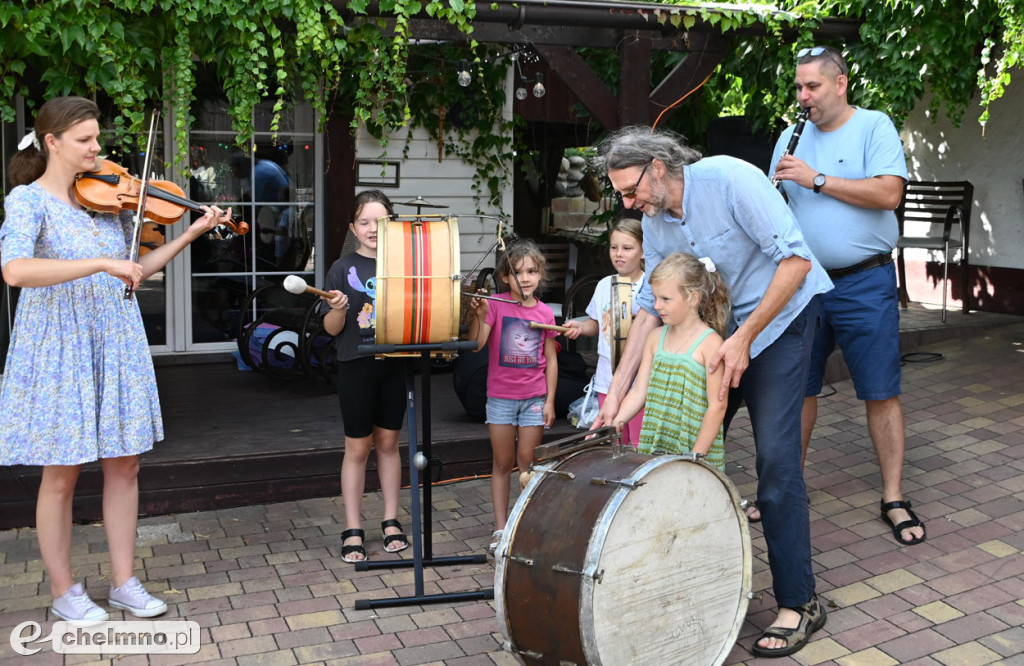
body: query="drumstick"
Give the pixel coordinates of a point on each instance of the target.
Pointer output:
(296, 285)
(490, 298)
(549, 327)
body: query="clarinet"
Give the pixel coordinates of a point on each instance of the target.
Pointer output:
(801, 120)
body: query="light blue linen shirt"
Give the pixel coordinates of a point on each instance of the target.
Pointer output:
(732, 214)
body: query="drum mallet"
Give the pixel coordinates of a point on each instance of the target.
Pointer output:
(296, 285)
(549, 327)
(491, 298)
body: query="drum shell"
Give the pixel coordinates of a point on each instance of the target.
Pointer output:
(669, 588)
(417, 281)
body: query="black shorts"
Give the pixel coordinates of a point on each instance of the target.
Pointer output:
(371, 393)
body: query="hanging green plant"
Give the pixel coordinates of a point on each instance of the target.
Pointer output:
(144, 53)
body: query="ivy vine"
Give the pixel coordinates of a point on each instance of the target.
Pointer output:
(142, 53)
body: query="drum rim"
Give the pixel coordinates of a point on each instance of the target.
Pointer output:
(596, 545)
(511, 525)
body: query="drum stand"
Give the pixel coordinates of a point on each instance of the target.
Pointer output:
(421, 538)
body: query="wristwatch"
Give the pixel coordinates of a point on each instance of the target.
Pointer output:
(819, 182)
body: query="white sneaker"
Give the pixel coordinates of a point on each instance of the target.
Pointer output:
(495, 539)
(76, 606)
(133, 598)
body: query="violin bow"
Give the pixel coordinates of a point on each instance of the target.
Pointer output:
(147, 166)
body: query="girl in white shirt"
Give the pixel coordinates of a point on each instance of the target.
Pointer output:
(625, 248)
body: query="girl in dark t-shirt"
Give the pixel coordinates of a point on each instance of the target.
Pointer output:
(371, 392)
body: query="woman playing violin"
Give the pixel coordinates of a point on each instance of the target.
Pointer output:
(79, 383)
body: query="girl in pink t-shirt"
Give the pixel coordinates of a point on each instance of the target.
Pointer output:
(522, 369)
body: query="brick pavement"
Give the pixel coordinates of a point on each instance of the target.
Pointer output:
(267, 586)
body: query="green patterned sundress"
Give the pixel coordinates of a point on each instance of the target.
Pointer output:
(677, 400)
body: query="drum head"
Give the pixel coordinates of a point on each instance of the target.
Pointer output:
(673, 560)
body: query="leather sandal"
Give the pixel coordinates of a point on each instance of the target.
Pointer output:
(392, 538)
(346, 551)
(752, 505)
(897, 530)
(812, 618)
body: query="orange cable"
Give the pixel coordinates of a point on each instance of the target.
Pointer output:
(681, 99)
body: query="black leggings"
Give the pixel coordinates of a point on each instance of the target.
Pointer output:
(371, 393)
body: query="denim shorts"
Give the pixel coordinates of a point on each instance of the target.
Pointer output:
(526, 412)
(861, 315)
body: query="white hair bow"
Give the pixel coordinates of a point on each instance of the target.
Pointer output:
(708, 264)
(27, 140)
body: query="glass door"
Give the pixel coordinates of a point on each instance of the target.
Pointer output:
(273, 189)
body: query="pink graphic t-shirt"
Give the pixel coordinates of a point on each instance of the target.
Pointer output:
(516, 351)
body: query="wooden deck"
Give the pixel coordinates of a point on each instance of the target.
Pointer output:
(234, 438)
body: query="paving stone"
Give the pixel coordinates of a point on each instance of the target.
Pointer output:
(267, 585)
(326, 651)
(869, 657)
(318, 619)
(938, 612)
(971, 654)
(276, 658)
(916, 645)
(303, 637)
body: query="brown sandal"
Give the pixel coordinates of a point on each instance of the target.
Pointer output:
(812, 618)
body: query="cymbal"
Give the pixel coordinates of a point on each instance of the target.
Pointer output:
(420, 202)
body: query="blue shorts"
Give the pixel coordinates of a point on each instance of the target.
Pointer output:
(526, 412)
(861, 315)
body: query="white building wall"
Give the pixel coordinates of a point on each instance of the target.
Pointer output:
(994, 163)
(447, 181)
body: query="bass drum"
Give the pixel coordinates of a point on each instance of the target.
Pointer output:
(615, 558)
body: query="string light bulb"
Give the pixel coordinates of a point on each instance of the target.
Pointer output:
(464, 78)
(538, 89)
(521, 89)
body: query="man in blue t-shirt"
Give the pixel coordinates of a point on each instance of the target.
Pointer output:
(843, 181)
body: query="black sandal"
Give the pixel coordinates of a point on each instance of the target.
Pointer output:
(897, 530)
(391, 538)
(812, 618)
(348, 550)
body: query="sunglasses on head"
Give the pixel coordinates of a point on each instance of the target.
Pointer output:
(810, 51)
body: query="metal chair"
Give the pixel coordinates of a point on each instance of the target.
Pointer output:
(937, 203)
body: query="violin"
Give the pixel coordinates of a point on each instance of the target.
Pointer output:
(111, 189)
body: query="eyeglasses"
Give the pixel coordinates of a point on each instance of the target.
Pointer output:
(632, 193)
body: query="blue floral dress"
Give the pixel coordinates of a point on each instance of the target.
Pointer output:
(79, 383)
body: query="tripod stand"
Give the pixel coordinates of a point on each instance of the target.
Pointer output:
(421, 534)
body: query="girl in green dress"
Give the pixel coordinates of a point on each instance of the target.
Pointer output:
(682, 410)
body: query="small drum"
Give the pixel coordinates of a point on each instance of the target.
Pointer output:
(622, 316)
(614, 557)
(417, 282)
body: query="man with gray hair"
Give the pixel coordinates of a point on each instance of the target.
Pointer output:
(727, 210)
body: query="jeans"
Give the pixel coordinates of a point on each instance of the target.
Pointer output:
(773, 389)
